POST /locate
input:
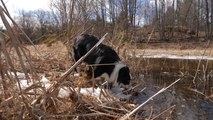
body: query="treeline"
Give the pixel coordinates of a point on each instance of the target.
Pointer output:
(118, 17)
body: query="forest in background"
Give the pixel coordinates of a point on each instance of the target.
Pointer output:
(32, 76)
(133, 20)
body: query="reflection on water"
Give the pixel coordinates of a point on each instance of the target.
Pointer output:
(189, 98)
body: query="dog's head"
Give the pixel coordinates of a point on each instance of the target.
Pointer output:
(124, 76)
(120, 75)
(82, 44)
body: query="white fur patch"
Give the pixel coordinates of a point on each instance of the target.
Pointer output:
(104, 75)
(114, 75)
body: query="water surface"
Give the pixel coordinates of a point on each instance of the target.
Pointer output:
(189, 98)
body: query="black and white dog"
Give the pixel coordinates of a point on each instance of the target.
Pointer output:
(107, 63)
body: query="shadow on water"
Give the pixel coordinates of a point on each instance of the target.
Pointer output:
(190, 98)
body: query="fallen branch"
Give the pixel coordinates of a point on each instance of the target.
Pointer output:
(126, 116)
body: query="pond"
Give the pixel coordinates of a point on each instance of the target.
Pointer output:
(190, 98)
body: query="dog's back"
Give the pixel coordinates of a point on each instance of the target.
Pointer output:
(84, 42)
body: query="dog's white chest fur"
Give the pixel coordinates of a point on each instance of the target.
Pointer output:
(112, 78)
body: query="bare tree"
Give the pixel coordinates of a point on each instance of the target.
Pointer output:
(124, 15)
(211, 17)
(162, 20)
(63, 11)
(112, 11)
(156, 11)
(114, 16)
(27, 22)
(103, 12)
(197, 18)
(132, 11)
(207, 19)
(41, 16)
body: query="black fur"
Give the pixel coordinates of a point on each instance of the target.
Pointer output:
(101, 55)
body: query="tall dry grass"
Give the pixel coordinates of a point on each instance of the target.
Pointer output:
(37, 102)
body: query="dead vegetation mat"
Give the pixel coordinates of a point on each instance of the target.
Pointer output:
(36, 102)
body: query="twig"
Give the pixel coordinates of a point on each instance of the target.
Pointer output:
(150, 36)
(163, 112)
(82, 115)
(126, 116)
(198, 66)
(194, 90)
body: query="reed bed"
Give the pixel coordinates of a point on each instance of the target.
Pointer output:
(35, 101)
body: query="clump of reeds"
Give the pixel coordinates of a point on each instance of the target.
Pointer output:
(37, 102)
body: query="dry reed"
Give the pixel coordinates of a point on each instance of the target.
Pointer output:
(37, 102)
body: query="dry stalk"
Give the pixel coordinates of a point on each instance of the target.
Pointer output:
(81, 115)
(150, 36)
(6, 11)
(151, 112)
(54, 88)
(196, 91)
(19, 51)
(163, 112)
(5, 102)
(2, 71)
(198, 65)
(14, 40)
(138, 62)
(205, 75)
(126, 116)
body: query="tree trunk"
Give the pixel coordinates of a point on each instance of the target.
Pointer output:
(103, 12)
(173, 19)
(211, 18)
(207, 19)
(156, 10)
(198, 20)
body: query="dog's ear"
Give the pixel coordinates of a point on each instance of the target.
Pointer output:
(75, 57)
(75, 54)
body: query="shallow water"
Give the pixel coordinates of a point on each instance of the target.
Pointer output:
(190, 96)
